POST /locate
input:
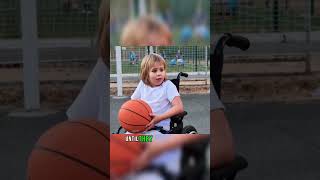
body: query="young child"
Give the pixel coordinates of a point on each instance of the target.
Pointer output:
(161, 94)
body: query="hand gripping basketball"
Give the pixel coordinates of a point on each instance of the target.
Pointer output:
(134, 115)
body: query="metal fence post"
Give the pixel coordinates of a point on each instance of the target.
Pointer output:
(196, 58)
(30, 55)
(308, 29)
(119, 70)
(206, 58)
(275, 16)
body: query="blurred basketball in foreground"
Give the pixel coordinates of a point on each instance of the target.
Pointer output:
(71, 150)
(122, 153)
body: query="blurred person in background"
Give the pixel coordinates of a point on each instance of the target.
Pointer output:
(233, 7)
(179, 58)
(186, 33)
(146, 31)
(133, 57)
(200, 28)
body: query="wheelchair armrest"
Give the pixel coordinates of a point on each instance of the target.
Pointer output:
(179, 116)
(229, 170)
(176, 124)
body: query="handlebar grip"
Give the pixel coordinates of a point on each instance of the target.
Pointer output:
(239, 42)
(184, 74)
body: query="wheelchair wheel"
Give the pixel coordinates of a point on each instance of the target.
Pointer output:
(189, 130)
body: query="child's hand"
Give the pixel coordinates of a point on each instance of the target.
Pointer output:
(112, 177)
(153, 122)
(142, 161)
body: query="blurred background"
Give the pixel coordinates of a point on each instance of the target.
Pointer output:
(64, 51)
(272, 90)
(188, 20)
(61, 18)
(285, 41)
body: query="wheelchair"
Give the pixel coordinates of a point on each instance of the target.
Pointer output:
(229, 170)
(176, 123)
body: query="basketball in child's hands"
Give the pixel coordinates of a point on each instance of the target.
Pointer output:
(71, 150)
(123, 153)
(134, 115)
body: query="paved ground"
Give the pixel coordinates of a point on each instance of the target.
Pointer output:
(18, 135)
(280, 141)
(197, 107)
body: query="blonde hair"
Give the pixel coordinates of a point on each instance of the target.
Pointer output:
(103, 31)
(135, 31)
(147, 63)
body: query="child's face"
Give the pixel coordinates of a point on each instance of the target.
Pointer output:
(157, 74)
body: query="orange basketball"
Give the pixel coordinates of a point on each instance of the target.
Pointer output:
(122, 153)
(134, 115)
(71, 150)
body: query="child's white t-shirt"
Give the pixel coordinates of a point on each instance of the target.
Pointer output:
(91, 103)
(159, 98)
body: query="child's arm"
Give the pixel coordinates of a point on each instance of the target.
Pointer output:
(137, 93)
(155, 148)
(177, 107)
(222, 147)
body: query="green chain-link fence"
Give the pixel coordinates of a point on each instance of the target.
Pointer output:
(192, 58)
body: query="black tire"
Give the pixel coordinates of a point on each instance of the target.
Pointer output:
(189, 130)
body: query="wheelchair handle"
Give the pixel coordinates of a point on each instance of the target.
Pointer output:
(217, 57)
(239, 42)
(183, 74)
